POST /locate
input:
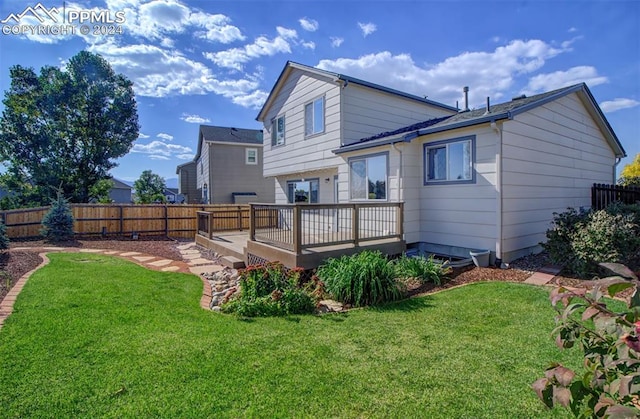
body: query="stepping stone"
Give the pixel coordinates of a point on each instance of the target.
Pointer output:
(162, 262)
(44, 248)
(143, 258)
(130, 254)
(170, 269)
(190, 257)
(91, 250)
(203, 269)
(190, 252)
(200, 261)
(186, 246)
(539, 278)
(111, 252)
(232, 262)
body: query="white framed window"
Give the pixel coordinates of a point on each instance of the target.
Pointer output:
(314, 117)
(251, 156)
(277, 131)
(449, 161)
(303, 191)
(368, 177)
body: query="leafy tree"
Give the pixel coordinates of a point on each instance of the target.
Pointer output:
(630, 175)
(149, 188)
(65, 127)
(57, 224)
(100, 191)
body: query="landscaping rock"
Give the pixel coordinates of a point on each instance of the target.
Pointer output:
(330, 306)
(224, 284)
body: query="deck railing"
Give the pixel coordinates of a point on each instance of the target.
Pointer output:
(296, 227)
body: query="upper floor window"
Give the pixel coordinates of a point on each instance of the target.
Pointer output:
(368, 177)
(251, 156)
(314, 117)
(450, 161)
(277, 131)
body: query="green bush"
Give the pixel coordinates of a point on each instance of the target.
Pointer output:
(362, 279)
(581, 240)
(424, 269)
(271, 290)
(57, 224)
(4, 239)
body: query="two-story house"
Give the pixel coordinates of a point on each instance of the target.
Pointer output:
(473, 179)
(227, 168)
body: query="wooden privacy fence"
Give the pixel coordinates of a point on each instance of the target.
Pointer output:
(178, 221)
(602, 195)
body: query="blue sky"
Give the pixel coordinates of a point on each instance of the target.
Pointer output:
(214, 62)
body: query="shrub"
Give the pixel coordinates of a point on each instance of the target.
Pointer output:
(57, 224)
(581, 240)
(271, 290)
(424, 269)
(361, 279)
(4, 239)
(610, 340)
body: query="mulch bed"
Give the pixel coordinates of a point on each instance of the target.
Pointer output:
(13, 265)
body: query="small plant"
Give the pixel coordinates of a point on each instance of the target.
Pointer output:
(4, 238)
(422, 268)
(57, 224)
(362, 279)
(610, 340)
(271, 290)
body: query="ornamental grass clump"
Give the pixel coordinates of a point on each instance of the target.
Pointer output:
(271, 290)
(421, 268)
(362, 279)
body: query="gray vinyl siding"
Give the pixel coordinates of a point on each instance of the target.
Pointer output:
(551, 157)
(120, 195)
(369, 112)
(300, 154)
(230, 173)
(187, 183)
(459, 215)
(202, 171)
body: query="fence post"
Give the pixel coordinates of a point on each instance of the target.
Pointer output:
(400, 220)
(166, 220)
(252, 223)
(210, 224)
(355, 223)
(297, 229)
(239, 218)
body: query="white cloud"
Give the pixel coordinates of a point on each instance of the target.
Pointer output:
(336, 41)
(253, 100)
(310, 25)
(617, 104)
(143, 136)
(367, 28)
(165, 136)
(309, 45)
(558, 79)
(572, 29)
(156, 72)
(160, 149)
(217, 27)
(156, 157)
(262, 46)
(185, 156)
(490, 73)
(194, 119)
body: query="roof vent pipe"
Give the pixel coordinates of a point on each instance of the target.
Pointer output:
(488, 110)
(465, 89)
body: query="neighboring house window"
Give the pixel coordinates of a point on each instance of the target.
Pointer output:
(251, 156)
(368, 177)
(314, 117)
(449, 161)
(303, 191)
(277, 131)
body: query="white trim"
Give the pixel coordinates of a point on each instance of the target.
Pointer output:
(246, 156)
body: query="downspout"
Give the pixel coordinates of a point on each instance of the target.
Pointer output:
(399, 171)
(498, 130)
(615, 169)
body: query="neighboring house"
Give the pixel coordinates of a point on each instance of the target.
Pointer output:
(228, 167)
(187, 183)
(482, 179)
(120, 193)
(173, 196)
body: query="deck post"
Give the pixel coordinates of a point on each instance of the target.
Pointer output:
(400, 220)
(297, 229)
(210, 224)
(252, 223)
(355, 223)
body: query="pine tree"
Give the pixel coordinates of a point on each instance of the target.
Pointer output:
(4, 239)
(57, 224)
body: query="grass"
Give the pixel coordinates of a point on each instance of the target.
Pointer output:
(93, 336)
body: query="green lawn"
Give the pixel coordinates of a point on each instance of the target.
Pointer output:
(93, 336)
